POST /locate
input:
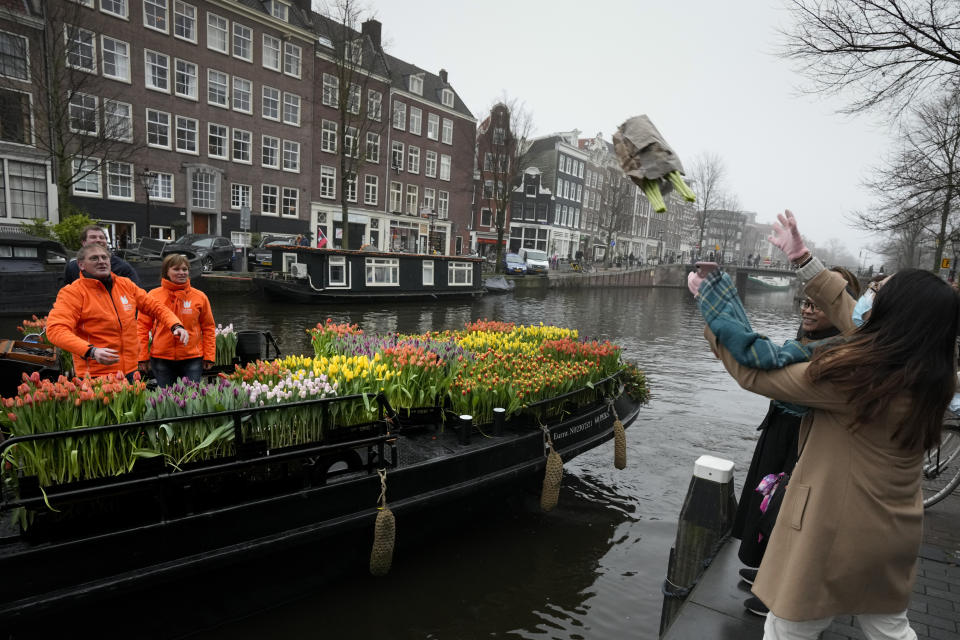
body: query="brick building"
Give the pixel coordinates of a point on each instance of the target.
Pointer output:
(562, 165)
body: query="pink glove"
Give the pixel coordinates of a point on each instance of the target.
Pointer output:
(694, 280)
(786, 237)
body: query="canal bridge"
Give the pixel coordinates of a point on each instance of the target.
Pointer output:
(671, 275)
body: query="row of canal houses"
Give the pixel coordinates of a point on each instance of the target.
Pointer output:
(167, 116)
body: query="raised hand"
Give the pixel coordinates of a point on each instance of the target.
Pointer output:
(786, 236)
(694, 280)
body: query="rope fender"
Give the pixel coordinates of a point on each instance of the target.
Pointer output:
(619, 439)
(384, 532)
(553, 475)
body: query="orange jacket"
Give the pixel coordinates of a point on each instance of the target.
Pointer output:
(193, 309)
(87, 315)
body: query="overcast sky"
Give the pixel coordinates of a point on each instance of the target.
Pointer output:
(704, 71)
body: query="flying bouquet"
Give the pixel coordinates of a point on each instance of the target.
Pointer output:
(649, 161)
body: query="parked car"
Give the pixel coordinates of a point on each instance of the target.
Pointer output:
(537, 261)
(213, 252)
(261, 256)
(513, 264)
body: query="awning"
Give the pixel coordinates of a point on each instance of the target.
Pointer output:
(490, 241)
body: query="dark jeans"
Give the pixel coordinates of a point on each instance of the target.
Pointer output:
(167, 371)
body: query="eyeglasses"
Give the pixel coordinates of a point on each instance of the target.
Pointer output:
(806, 303)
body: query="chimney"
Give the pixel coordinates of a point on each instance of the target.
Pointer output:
(443, 76)
(372, 28)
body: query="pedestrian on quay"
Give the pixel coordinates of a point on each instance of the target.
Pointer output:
(95, 317)
(165, 356)
(851, 521)
(92, 234)
(776, 449)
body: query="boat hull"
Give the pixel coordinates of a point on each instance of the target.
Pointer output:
(298, 291)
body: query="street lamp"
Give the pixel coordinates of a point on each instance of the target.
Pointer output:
(148, 179)
(660, 248)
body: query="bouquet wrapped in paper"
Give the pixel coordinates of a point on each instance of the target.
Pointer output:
(649, 161)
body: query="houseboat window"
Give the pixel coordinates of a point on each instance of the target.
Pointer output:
(6, 251)
(24, 252)
(383, 272)
(337, 272)
(460, 273)
(428, 273)
(288, 259)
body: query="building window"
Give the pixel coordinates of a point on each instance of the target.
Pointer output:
(443, 204)
(373, 147)
(542, 212)
(428, 273)
(433, 126)
(446, 97)
(240, 196)
(28, 190)
(86, 177)
(185, 83)
(271, 52)
(291, 109)
(499, 135)
(351, 142)
(291, 59)
(155, 15)
(337, 269)
(488, 189)
(413, 159)
(331, 86)
(158, 129)
(242, 143)
(412, 198)
(13, 56)
(218, 33)
(370, 190)
(374, 103)
(187, 134)
(486, 218)
(204, 192)
(444, 167)
(242, 95)
(488, 161)
(242, 42)
(396, 156)
(291, 156)
(290, 204)
(156, 69)
(185, 21)
(162, 187)
(269, 200)
(117, 120)
(116, 59)
(120, 180)
(271, 103)
(218, 84)
(15, 121)
(415, 84)
(217, 135)
(430, 164)
(81, 48)
(382, 272)
(354, 98)
(459, 273)
(396, 197)
(429, 200)
(279, 9)
(399, 115)
(447, 133)
(351, 187)
(83, 114)
(270, 156)
(328, 182)
(328, 136)
(116, 8)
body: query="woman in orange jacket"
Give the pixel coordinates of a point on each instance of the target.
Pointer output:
(95, 317)
(168, 358)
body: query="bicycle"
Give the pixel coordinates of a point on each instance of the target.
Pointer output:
(941, 465)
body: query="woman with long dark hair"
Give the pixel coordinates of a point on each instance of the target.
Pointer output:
(850, 526)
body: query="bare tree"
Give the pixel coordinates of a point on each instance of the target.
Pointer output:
(617, 206)
(921, 185)
(353, 92)
(707, 178)
(887, 51)
(502, 146)
(81, 120)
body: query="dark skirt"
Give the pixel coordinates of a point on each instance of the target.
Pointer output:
(776, 451)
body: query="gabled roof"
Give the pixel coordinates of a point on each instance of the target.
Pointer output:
(400, 71)
(297, 16)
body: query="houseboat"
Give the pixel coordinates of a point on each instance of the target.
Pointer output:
(31, 272)
(304, 274)
(768, 283)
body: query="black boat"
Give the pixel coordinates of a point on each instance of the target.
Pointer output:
(155, 523)
(304, 274)
(498, 284)
(31, 272)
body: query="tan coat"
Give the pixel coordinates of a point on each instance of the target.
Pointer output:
(848, 533)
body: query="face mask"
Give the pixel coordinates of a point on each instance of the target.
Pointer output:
(864, 304)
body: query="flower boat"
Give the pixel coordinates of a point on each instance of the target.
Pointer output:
(163, 484)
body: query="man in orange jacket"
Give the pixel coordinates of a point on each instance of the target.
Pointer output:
(95, 317)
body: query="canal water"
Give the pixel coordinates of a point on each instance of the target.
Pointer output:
(590, 569)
